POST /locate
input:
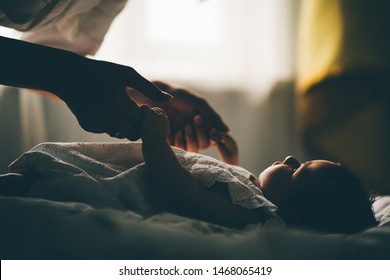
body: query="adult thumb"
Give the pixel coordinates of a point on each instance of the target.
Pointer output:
(136, 81)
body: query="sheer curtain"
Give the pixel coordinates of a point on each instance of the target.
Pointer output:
(220, 46)
(245, 45)
(233, 52)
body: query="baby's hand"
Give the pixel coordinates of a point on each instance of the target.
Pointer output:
(155, 123)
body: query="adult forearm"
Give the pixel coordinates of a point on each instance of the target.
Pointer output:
(34, 66)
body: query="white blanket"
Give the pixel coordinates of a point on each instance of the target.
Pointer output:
(35, 228)
(113, 175)
(102, 175)
(74, 25)
(41, 229)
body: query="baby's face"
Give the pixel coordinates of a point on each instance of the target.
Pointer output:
(281, 179)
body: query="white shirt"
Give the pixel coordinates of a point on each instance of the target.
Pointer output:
(74, 25)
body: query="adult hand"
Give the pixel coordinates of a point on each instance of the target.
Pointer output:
(191, 117)
(226, 146)
(194, 137)
(96, 93)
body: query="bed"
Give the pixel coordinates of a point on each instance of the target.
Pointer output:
(80, 228)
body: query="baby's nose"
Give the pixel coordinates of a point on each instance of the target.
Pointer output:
(292, 161)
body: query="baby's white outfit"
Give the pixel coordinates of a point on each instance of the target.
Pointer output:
(113, 175)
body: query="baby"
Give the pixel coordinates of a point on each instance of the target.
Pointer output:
(318, 195)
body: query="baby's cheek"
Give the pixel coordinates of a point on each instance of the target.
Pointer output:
(276, 184)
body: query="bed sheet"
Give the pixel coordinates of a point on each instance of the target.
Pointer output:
(36, 228)
(42, 229)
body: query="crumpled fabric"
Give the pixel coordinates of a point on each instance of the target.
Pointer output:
(113, 175)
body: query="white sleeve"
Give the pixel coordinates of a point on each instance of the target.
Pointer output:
(76, 25)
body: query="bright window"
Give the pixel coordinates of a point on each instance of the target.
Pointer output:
(183, 22)
(244, 45)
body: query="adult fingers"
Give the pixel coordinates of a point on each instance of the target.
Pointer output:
(171, 140)
(202, 133)
(134, 80)
(210, 115)
(215, 136)
(117, 126)
(98, 125)
(226, 144)
(130, 115)
(179, 140)
(190, 139)
(91, 125)
(214, 119)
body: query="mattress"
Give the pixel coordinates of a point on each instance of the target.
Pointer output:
(37, 228)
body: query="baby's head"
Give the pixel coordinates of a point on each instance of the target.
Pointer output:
(318, 195)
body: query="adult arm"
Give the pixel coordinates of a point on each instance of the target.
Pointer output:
(95, 91)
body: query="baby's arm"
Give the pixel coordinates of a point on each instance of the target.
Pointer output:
(162, 164)
(178, 185)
